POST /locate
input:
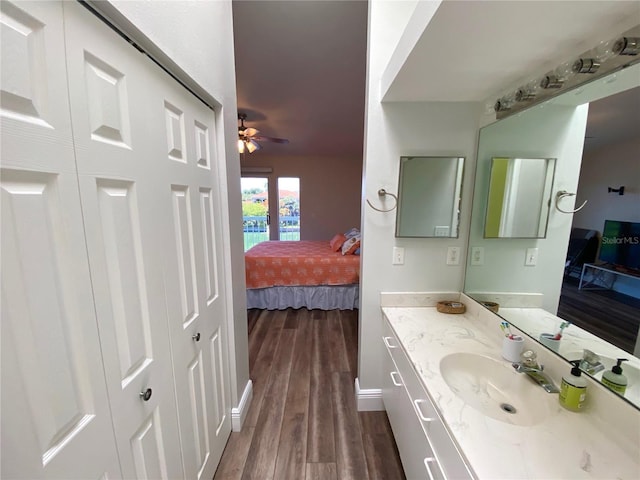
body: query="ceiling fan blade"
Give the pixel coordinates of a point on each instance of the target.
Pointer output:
(250, 132)
(270, 139)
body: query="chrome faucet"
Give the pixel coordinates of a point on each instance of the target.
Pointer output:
(537, 375)
(590, 362)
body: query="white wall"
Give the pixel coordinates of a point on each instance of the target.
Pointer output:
(611, 166)
(198, 37)
(393, 130)
(542, 132)
(329, 190)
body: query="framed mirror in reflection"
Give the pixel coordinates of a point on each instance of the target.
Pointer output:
(519, 197)
(539, 282)
(429, 196)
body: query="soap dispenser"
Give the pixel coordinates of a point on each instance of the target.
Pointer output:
(614, 379)
(573, 389)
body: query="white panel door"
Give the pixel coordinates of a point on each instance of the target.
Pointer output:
(120, 193)
(187, 161)
(56, 421)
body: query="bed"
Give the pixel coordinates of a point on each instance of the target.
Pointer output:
(306, 273)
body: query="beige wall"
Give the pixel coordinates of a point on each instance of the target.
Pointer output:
(329, 190)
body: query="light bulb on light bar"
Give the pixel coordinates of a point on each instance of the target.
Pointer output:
(586, 65)
(627, 46)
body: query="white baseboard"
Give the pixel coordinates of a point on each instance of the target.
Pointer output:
(368, 400)
(239, 413)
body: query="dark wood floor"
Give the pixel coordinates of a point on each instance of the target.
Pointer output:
(303, 423)
(610, 315)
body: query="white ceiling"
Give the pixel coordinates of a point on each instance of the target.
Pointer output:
(301, 65)
(472, 49)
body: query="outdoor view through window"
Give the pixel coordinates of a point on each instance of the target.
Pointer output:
(257, 212)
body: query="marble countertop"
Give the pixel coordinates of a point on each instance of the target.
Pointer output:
(565, 445)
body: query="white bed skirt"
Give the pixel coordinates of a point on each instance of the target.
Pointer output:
(322, 297)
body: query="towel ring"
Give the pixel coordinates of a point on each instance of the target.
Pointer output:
(562, 194)
(381, 193)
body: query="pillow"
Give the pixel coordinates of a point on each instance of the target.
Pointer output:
(352, 233)
(336, 242)
(351, 245)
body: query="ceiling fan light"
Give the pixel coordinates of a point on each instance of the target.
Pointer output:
(252, 146)
(240, 146)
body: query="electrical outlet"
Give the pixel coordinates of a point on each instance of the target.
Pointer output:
(477, 255)
(453, 256)
(398, 256)
(532, 257)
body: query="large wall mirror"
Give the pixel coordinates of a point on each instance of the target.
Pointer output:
(429, 196)
(519, 197)
(594, 134)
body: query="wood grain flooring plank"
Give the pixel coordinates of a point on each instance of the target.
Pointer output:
(350, 456)
(321, 471)
(292, 451)
(261, 460)
(349, 322)
(252, 318)
(263, 322)
(292, 318)
(337, 348)
(381, 452)
(262, 367)
(235, 454)
(321, 438)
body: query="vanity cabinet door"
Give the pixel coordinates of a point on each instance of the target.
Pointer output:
(412, 443)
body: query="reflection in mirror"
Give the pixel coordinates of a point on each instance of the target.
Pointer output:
(519, 197)
(429, 196)
(537, 296)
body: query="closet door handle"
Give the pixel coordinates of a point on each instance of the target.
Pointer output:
(397, 383)
(428, 461)
(146, 395)
(417, 403)
(387, 343)
(196, 337)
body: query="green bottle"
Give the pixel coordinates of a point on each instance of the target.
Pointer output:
(573, 389)
(614, 379)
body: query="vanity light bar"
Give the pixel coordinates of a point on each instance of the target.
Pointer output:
(608, 57)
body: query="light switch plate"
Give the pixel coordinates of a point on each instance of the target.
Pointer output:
(477, 255)
(398, 256)
(453, 256)
(532, 257)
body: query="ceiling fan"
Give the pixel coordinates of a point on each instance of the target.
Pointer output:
(248, 137)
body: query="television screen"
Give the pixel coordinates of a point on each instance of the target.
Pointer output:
(621, 244)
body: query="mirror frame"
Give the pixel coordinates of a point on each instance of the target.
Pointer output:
(428, 197)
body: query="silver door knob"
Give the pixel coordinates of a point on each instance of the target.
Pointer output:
(146, 395)
(196, 337)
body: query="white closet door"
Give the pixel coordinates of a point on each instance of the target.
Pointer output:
(123, 207)
(55, 414)
(187, 161)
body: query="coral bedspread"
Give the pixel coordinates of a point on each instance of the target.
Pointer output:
(305, 262)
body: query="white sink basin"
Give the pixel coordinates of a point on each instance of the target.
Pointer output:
(495, 389)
